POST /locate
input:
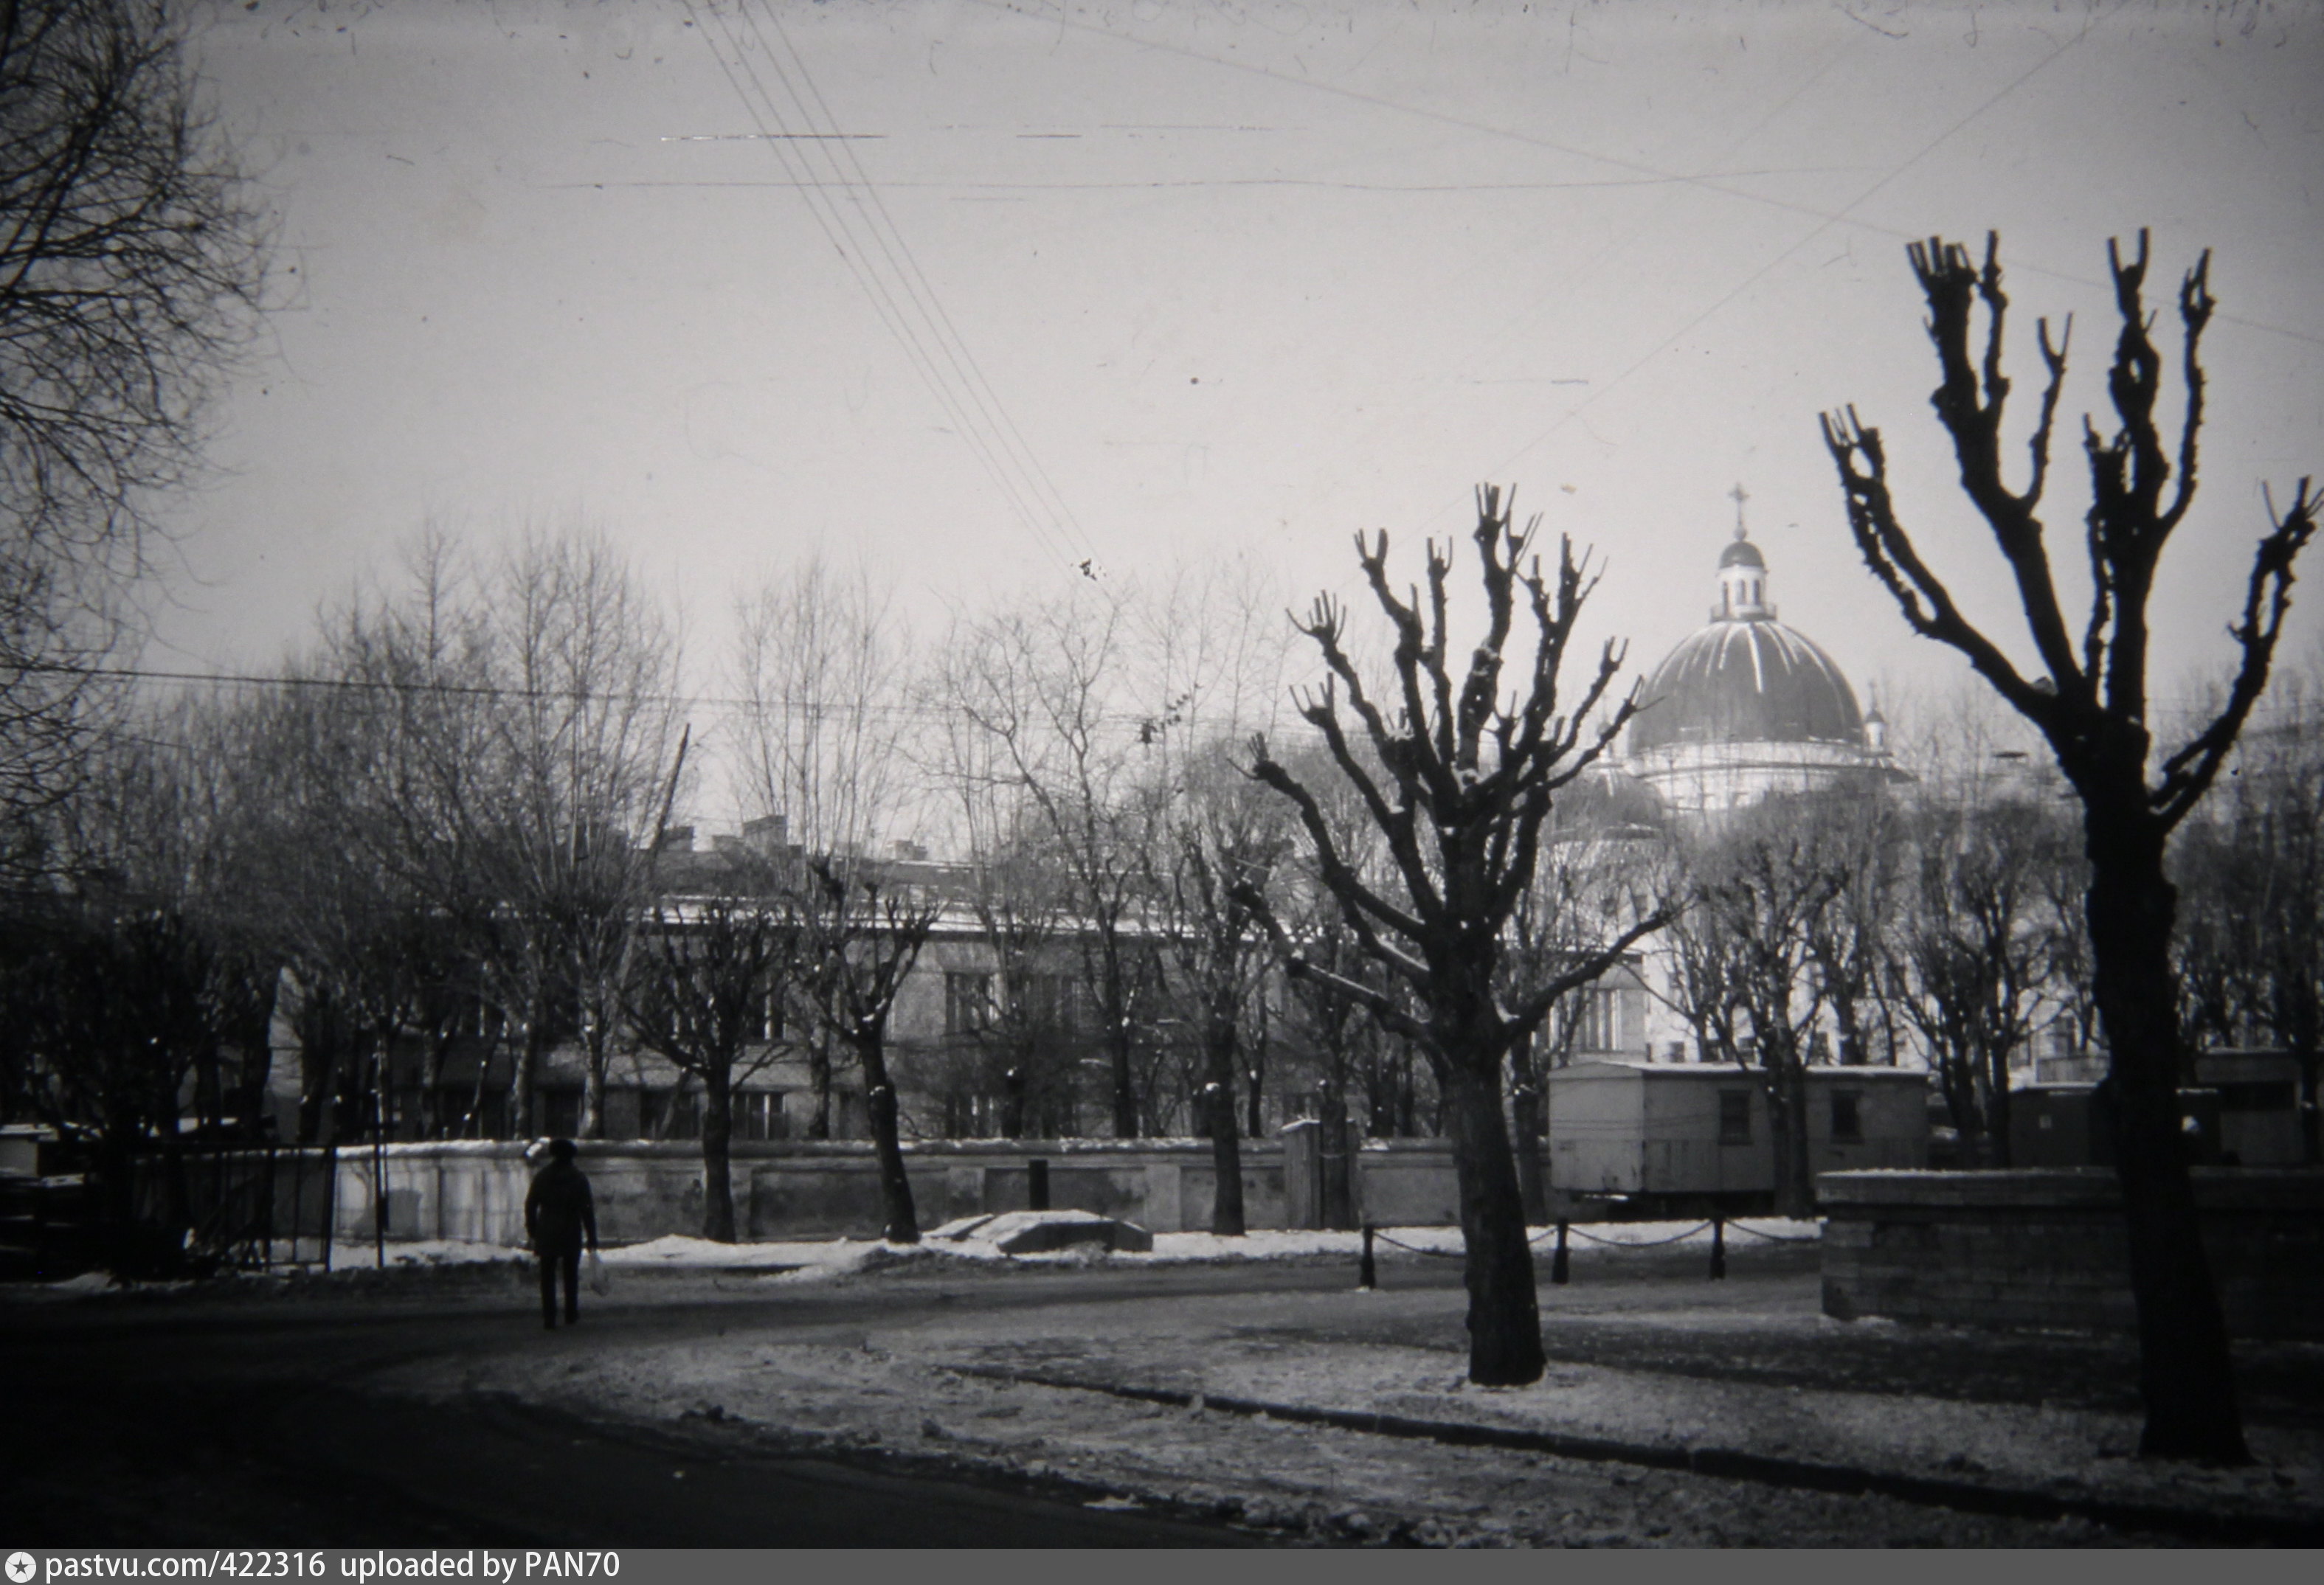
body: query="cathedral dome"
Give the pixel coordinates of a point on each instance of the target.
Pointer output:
(1747, 680)
(1747, 707)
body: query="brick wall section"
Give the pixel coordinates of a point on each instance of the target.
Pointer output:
(2046, 1247)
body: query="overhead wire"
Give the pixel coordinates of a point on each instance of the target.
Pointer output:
(907, 264)
(831, 218)
(846, 207)
(1129, 720)
(1825, 225)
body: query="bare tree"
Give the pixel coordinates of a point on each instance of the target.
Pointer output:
(1464, 783)
(1215, 652)
(1975, 950)
(706, 988)
(861, 929)
(1017, 1029)
(586, 681)
(497, 750)
(824, 743)
(121, 986)
(381, 871)
(1039, 685)
(2091, 704)
(2251, 877)
(1600, 868)
(132, 262)
(1744, 955)
(1350, 1056)
(1225, 840)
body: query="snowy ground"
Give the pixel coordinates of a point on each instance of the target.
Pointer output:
(950, 1387)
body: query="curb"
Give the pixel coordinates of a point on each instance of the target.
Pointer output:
(1733, 1464)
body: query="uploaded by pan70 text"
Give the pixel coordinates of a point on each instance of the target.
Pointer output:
(489, 1566)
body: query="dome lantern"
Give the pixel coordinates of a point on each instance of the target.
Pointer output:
(1747, 706)
(1742, 583)
(1742, 573)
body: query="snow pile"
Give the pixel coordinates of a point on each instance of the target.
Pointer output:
(1046, 1232)
(675, 1250)
(363, 1254)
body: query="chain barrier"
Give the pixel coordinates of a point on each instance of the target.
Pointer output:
(1417, 1249)
(1561, 1265)
(1639, 1244)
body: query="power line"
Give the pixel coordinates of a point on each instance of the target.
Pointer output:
(861, 233)
(831, 219)
(1129, 719)
(948, 336)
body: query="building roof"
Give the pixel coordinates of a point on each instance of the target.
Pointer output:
(1753, 680)
(1746, 677)
(1605, 801)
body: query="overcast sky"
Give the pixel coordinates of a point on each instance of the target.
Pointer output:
(1013, 284)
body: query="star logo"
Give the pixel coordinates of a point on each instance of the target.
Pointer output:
(21, 1567)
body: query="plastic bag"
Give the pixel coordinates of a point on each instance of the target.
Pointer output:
(601, 1282)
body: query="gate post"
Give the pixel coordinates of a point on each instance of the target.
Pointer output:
(1303, 1175)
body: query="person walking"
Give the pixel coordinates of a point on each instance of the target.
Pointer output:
(558, 1210)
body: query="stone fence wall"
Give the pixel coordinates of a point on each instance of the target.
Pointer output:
(472, 1191)
(2046, 1247)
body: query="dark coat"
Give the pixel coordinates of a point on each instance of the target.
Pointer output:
(559, 1209)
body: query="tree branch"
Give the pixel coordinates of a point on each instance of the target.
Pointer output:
(2267, 597)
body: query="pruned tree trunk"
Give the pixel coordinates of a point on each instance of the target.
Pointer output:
(1529, 1129)
(1122, 1072)
(1226, 1144)
(818, 1086)
(1337, 1154)
(899, 1223)
(1997, 1131)
(525, 1076)
(2184, 1370)
(592, 1090)
(1787, 1136)
(1458, 793)
(1504, 1312)
(718, 1154)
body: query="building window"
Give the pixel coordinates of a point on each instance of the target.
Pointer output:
(1734, 1117)
(1046, 1001)
(768, 1021)
(758, 1115)
(1847, 1118)
(672, 1114)
(1601, 1019)
(968, 1002)
(560, 1113)
(478, 1019)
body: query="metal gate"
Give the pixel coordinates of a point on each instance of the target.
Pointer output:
(253, 1208)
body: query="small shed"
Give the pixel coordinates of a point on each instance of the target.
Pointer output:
(2259, 1105)
(1700, 1129)
(2243, 1109)
(22, 1149)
